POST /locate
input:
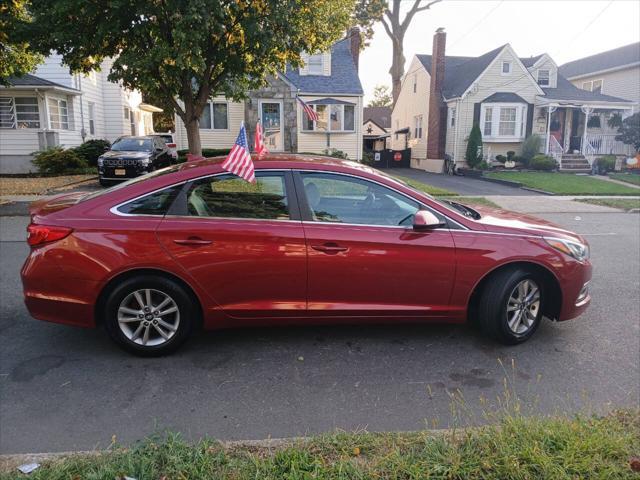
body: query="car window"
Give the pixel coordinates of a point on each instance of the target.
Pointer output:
(342, 199)
(133, 181)
(132, 144)
(228, 196)
(156, 203)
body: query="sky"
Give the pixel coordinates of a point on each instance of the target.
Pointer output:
(565, 29)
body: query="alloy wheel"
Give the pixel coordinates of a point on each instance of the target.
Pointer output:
(523, 307)
(148, 317)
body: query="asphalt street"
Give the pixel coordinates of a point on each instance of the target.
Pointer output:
(64, 388)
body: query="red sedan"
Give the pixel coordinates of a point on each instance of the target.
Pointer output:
(313, 241)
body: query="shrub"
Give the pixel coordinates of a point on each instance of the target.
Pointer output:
(606, 163)
(59, 160)
(530, 148)
(92, 149)
(501, 158)
(518, 159)
(629, 131)
(368, 158)
(206, 152)
(510, 155)
(543, 162)
(473, 155)
(482, 165)
(332, 152)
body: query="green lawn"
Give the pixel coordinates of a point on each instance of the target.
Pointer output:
(425, 187)
(517, 447)
(621, 203)
(472, 201)
(626, 177)
(565, 183)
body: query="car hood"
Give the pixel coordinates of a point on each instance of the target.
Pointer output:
(125, 154)
(505, 221)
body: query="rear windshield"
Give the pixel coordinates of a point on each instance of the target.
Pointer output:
(132, 144)
(141, 178)
(166, 138)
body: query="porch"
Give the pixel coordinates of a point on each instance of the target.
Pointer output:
(583, 131)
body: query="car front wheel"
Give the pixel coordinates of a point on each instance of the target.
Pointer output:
(149, 316)
(510, 308)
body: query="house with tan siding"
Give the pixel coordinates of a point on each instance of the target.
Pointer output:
(328, 82)
(53, 107)
(510, 98)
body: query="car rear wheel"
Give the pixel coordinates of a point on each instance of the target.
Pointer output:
(510, 308)
(149, 316)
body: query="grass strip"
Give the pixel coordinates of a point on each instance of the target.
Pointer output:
(632, 178)
(516, 447)
(425, 187)
(621, 203)
(565, 183)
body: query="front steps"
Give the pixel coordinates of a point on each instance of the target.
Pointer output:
(574, 163)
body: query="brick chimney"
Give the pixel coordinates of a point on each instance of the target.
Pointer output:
(354, 37)
(436, 132)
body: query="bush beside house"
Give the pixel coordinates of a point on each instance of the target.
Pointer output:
(57, 160)
(530, 148)
(543, 162)
(473, 155)
(92, 149)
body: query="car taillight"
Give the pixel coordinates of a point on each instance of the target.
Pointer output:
(171, 145)
(40, 234)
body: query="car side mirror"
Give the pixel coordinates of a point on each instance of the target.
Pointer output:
(425, 220)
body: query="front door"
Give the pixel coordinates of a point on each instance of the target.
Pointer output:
(271, 118)
(364, 258)
(241, 243)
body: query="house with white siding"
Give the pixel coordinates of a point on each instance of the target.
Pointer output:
(53, 107)
(328, 82)
(614, 72)
(510, 98)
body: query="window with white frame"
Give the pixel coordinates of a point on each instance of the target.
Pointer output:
(417, 126)
(543, 77)
(506, 68)
(92, 118)
(58, 114)
(331, 118)
(215, 116)
(127, 113)
(488, 122)
(315, 64)
(597, 86)
(19, 112)
(503, 122)
(453, 117)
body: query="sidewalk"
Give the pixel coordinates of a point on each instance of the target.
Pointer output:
(552, 204)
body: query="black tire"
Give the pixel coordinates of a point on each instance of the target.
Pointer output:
(187, 312)
(104, 183)
(492, 308)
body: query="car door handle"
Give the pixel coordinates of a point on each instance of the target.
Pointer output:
(329, 248)
(193, 241)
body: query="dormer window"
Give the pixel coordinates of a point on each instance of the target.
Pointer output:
(543, 78)
(315, 64)
(506, 68)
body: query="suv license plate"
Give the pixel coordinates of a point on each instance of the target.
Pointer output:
(120, 171)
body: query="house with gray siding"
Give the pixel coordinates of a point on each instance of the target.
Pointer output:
(52, 107)
(510, 98)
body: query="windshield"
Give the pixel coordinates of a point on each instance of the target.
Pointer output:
(132, 144)
(142, 178)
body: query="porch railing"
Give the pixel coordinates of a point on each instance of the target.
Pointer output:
(605, 144)
(555, 149)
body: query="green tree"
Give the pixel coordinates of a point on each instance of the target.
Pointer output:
(473, 155)
(16, 59)
(629, 131)
(369, 12)
(381, 97)
(185, 51)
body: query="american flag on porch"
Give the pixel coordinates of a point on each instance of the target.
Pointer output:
(259, 147)
(239, 160)
(311, 113)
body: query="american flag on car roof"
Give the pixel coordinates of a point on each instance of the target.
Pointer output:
(239, 160)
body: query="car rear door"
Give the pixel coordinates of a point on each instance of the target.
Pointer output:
(241, 242)
(364, 258)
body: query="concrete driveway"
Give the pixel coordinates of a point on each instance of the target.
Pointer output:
(459, 184)
(64, 388)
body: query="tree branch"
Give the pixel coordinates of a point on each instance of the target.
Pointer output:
(387, 28)
(415, 9)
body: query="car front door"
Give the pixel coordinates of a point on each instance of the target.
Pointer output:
(243, 243)
(364, 258)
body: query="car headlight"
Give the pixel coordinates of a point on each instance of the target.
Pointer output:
(100, 161)
(577, 250)
(145, 161)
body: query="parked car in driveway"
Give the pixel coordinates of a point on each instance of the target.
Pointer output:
(171, 144)
(131, 156)
(313, 241)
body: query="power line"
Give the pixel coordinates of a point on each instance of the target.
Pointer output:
(477, 24)
(589, 24)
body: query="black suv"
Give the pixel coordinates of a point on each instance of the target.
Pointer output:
(132, 156)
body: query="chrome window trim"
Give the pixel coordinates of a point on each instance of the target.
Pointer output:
(237, 219)
(115, 210)
(368, 225)
(463, 227)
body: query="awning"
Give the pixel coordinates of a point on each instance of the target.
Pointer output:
(149, 108)
(329, 101)
(404, 131)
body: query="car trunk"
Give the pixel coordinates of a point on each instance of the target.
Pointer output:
(41, 208)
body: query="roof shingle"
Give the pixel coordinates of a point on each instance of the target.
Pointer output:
(381, 116)
(617, 57)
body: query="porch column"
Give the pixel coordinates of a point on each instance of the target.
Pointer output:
(550, 111)
(587, 111)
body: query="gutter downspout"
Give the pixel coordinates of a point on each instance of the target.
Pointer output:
(83, 132)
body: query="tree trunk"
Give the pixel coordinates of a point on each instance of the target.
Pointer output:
(193, 136)
(397, 69)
